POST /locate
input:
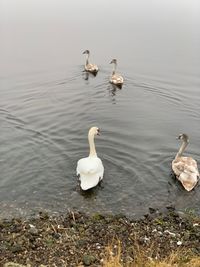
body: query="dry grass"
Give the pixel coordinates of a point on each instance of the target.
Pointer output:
(179, 258)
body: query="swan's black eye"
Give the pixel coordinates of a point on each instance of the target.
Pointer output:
(98, 131)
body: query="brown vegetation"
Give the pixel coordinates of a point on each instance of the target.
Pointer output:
(178, 258)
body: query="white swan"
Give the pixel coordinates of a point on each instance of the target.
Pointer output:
(115, 78)
(88, 66)
(90, 170)
(185, 168)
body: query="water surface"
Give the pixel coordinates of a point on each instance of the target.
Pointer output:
(47, 105)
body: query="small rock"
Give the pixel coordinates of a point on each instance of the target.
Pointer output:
(97, 217)
(88, 260)
(98, 246)
(56, 235)
(179, 243)
(129, 259)
(146, 239)
(170, 233)
(33, 230)
(43, 215)
(16, 248)
(170, 208)
(152, 210)
(82, 242)
(186, 236)
(159, 228)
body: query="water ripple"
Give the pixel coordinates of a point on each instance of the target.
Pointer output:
(44, 133)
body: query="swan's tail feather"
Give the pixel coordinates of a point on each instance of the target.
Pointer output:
(89, 181)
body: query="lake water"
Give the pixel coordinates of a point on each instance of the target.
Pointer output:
(47, 105)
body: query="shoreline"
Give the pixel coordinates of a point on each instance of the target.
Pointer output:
(78, 239)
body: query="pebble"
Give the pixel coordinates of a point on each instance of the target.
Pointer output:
(170, 233)
(16, 248)
(179, 243)
(33, 230)
(88, 260)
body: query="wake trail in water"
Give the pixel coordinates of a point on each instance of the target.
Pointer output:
(157, 90)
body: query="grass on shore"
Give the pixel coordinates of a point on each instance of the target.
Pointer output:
(178, 258)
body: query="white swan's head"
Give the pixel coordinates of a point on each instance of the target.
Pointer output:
(183, 137)
(86, 52)
(113, 61)
(94, 131)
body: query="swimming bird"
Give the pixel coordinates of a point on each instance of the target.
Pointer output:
(185, 168)
(92, 68)
(90, 169)
(115, 78)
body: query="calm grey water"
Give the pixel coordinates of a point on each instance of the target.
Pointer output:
(47, 105)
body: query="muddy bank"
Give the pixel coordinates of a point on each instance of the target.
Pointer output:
(76, 239)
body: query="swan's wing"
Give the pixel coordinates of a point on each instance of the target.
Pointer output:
(89, 165)
(178, 166)
(91, 171)
(91, 67)
(186, 171)
(90, 181)
(184, 164)
(188, 180)
(117, 79)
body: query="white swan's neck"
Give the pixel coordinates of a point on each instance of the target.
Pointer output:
(92, 145)
(114, 68)
(87, 59)
(181, 150)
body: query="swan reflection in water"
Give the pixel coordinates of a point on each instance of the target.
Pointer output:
(112, 90)
(91, 193)
(87, 75)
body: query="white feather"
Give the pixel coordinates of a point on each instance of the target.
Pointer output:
(91, 172)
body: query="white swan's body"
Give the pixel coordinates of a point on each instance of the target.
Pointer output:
(91, 172)
(185, 168)
(90, 169)
(89, 66)
(115, 78)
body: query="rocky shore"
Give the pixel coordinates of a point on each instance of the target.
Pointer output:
(76, 239)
